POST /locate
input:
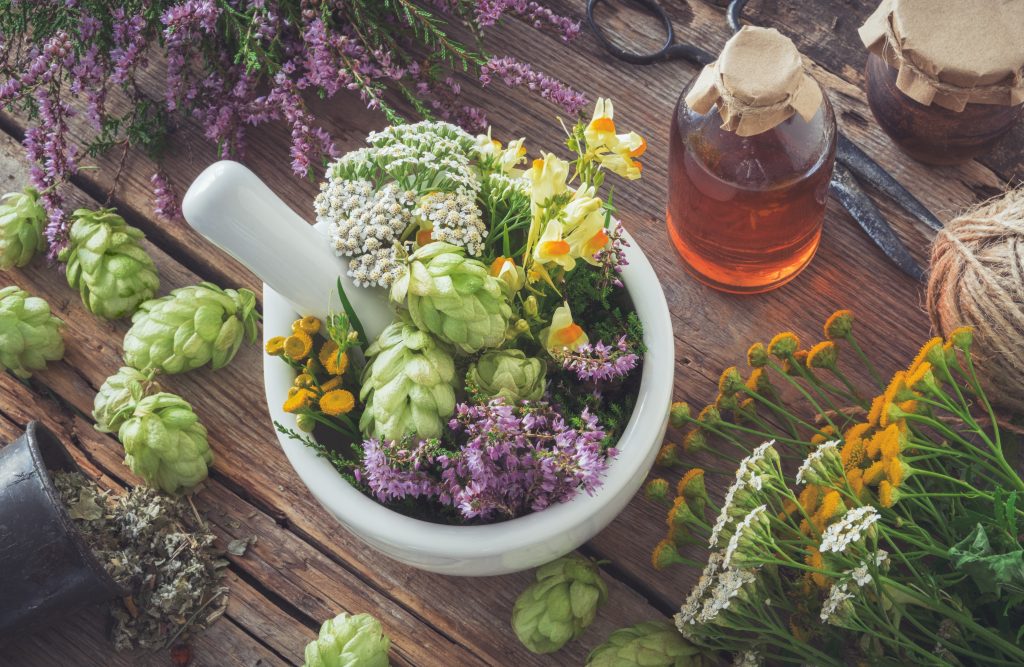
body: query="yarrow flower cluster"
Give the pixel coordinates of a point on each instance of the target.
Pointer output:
(516, 459)
(237, 64)
(853, 527)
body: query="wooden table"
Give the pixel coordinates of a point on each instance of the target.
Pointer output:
(304, 567)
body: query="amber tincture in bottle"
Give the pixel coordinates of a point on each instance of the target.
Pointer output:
(751, 152)
(945, 78)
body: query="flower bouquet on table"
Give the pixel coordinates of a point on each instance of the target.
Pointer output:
(867, 526)
(512, 364)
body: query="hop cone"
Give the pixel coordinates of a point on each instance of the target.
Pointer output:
(508, 373)
(190, 327)
(21, 228)
(560, 605)
(649, 644)
(107, 265)
(165, 444)
(407, 385)
(454, 297)
(119, 395)
(349, 641)
(29, 334)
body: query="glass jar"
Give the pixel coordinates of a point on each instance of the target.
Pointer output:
(746, 213)
(933, 134)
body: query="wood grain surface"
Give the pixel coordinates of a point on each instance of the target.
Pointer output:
(304, 567)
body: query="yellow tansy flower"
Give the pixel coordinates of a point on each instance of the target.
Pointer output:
(888, 442)
(333, 363)
(757, 355)
(809, 498)
(692, 476)
(304, 380)
(333, 383)
(839, 324)
(831, 505)
(814, 559)
(275, 346)
(855, 478)
(887, 494)
(852, 454)
(823, 435)
(823, 355)
(298, 398)
(784, 344)
(298, 345)
(337, 402)
(896, 472)
(309, 324)
(875, 473)
(875, 412)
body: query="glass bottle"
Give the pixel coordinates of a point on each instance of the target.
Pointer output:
(746, 213)
(933, 134)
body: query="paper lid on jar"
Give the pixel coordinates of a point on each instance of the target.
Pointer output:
(757, 82)
(952, 52)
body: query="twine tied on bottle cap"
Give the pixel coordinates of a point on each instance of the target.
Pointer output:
(951, 52)
(757, 82)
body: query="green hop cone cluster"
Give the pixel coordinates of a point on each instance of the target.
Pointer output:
(349, 641)
(560, 605)
(407, 385)
(191, 327)
(509, 374)
(165, 444)
(119, 395)
(30, 335)
(649, 644)
(454, 297)
(22, 219)
(107, 264)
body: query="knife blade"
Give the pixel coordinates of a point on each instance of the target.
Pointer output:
(870, 219)
(861, 164)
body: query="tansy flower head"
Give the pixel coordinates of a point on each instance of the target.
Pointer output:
(304, 380)
(298, 345)
(275, 346)
(337, 402)
(680, 514)
(855, 478)
(875, 412)
(823, 355)
(795, 363)
(758, 382)
(922, 354)
(668, 456)
(896, 392)
(896, 471)
(852, 454)
(665, 554)
(679, 414)
(814, 559)
(305, 422)
(856, 432)
(333, 383)
(726, 403)
(333, 362)
(874, 473)
(691, 485)
(730, 382)
(298, 398)
(889, 442)
(709, 416)
(309, 324)
(823, 435)
(831, 505)
(757, 355)
(784, 345)
(839, 324)
(694, 441)
(888, 495)
(962, 338)
(657, 490)
(809, 498)
(923, 379)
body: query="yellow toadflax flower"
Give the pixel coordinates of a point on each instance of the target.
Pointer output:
(563, 334)
(505, 270)
(298, 345)
(616, 152)
(337, 402)
(552, 248)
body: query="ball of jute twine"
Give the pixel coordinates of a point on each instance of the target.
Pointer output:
(977, 279)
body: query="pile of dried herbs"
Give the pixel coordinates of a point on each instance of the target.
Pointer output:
(158, 551)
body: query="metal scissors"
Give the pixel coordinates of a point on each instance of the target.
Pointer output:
(851, 161)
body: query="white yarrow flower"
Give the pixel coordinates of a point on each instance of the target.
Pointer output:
(819, 464)
(743, 526)
(852, 527)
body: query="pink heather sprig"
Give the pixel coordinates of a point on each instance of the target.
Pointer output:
(612, 259)
(237, 64)
(599, 363)
(516, 73)
(489, 12)
(516, 459)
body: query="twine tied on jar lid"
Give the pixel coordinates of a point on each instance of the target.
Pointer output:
(951, 52)
(757, 82)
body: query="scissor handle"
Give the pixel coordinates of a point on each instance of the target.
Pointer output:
(629, 56)
(734, 14)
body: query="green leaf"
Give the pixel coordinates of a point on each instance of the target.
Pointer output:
(990, 571)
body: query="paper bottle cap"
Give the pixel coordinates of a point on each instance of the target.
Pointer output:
(757, 82)
(951, 52)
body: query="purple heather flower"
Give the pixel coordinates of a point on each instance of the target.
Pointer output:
(165, 201)
(517, 73)
(517, 458)
(599, 363)
(489, 12)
